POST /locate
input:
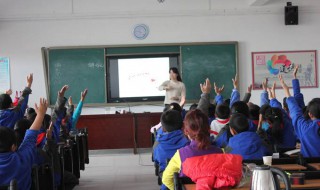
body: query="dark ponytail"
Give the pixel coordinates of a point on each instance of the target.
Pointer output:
(274, 116)
(197, 127)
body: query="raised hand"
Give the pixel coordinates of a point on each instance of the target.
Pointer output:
(49, 131)
(272, 91)
(63, 90)
(284, 86)
(235, 82)
(217, 89)
(83, 94)
(70, 100)
(29, 80)
(265, 84)
(296, 68)
(206, 87)
(43, 105)
(249, 89)
(9, 92)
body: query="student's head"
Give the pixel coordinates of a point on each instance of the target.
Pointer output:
(240, 107)
(314, 108)
(275, 118)
(173, 106)
(263, 109)
(20, 129)
(193, 106)
(171, 120)
(253, 111)
(5, 101)
(174, 74)
(197, 128)
(211, 110)
(7, 140)
(238, 123)
(46, 122)
(226, 102)
(29, 112)
(222, 111)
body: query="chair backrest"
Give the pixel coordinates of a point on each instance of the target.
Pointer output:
(179, 181)
(12, 186)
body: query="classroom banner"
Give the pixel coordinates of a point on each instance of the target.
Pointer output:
(268, 65)
(4, 74)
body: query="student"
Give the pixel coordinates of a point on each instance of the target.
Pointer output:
(76, 114)
(197, 129)
(170, 140)
(175, 89)
(8, 115)
(246, 143)
(222, 114)
(17, 164)
(280, 128)
(307, 130)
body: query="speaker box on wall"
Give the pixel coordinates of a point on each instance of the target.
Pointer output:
(291, 15)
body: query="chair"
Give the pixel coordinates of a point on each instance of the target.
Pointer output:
(76, 156)
(61, 153)
(85, 134)
(12, 186)
(45, 177)
(179, 181)
(82, 150)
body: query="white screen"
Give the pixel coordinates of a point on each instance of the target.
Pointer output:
(141, 77)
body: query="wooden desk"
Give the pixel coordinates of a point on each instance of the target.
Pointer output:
(289, 167)
(309, 184)
(315, 165)
(116, 131)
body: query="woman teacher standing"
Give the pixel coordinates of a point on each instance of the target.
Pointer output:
(175, 89)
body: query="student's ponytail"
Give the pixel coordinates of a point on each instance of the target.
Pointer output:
(274, 116)
(197, 128)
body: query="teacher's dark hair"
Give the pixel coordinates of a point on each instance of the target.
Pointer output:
(175, 70)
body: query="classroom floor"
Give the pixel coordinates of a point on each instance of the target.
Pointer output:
(119, 170)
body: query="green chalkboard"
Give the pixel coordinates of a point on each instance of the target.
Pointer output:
(218, 62)
(80, 69)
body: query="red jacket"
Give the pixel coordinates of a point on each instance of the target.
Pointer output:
(214, 170)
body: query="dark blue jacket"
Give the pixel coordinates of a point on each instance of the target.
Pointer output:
(168, 144)
(18, 165)
(306, 130)
(249, 145)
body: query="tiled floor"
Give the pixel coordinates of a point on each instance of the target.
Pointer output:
(119, 170)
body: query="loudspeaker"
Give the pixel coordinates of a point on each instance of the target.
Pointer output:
(291, 15)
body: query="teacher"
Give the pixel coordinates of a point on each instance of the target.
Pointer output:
(175, 89)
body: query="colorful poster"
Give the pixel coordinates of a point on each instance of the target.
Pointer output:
(4, 74)
(268, 65)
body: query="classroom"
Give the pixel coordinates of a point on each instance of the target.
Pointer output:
(29, 27)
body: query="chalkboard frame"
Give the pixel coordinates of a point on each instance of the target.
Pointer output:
(45, 53)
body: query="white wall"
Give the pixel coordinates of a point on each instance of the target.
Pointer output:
(26, 26)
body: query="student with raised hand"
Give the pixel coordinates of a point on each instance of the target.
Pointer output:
(281, 129)
(10, 115)
(218, 91)
(296, 88)
(77, 112)
(196, 127)
(264, 98)
(246, 143)
(235, 95)
(17, 164)
(175, 89)
(308, 131)
(59, 112)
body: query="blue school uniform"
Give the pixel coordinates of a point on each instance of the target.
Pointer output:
(289, 138)
(9, 117)
(18, 165)
(249, 145)
(297, 94)
(168, 144)
(306, 130)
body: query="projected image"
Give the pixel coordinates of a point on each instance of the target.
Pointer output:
(139, 77)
